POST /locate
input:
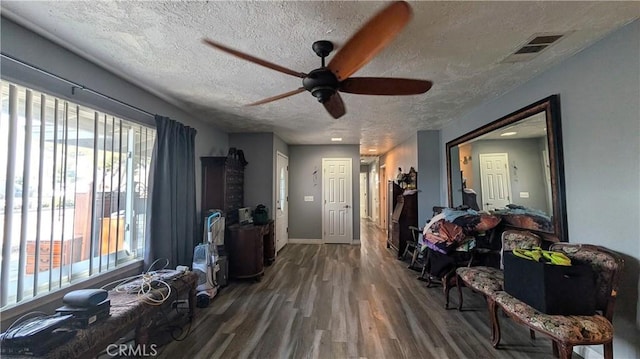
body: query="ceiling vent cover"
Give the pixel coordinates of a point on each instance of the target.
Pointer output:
(533, 47)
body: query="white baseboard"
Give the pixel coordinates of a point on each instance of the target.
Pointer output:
(587, 352)
(305, 241)
(317, 241)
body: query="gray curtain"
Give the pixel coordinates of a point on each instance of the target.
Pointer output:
(171, 207)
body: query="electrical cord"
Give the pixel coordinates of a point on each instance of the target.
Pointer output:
(145, 286)
(173, 327)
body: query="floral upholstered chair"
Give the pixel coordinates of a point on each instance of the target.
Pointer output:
(567, 331)
(489, 280)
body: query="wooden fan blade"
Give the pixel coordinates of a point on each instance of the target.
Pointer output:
(384, 86)
(278, 97)
(335, 106)
(370, 39)
(254, 59)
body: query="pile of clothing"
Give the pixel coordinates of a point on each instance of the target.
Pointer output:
(524, 217)
(455, 229)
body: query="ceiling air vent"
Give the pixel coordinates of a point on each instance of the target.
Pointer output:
(533, 47)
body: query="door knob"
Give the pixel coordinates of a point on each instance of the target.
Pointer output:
(347, 206)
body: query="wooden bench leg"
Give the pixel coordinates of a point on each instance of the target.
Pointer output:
(495, 324)
(565, 350)
(446, 288)
(192, 303)
(446, 283)
(458, 284)
(608, 350)
(556, 352)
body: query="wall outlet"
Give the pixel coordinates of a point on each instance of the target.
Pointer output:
(308, 198)
(524, 194)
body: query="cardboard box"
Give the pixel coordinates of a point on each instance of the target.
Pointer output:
(549, 288)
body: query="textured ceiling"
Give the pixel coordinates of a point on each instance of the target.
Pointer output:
(460, 46)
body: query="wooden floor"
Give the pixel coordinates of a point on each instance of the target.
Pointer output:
(346, 301)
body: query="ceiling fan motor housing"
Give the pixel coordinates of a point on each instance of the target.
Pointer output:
(322, 84)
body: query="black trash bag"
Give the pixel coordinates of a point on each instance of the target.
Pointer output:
(261, 214)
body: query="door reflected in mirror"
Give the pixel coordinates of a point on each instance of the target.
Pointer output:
(511, 167)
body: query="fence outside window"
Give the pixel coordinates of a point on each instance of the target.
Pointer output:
(73, 192)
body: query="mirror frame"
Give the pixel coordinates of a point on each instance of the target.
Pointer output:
(551, 107)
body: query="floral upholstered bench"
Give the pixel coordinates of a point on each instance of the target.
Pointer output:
(570, 330)
(489, 280)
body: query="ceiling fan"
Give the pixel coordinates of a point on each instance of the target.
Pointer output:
(326, 82)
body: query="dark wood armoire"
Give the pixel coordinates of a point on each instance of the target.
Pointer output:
(223, 186)
(405, 214)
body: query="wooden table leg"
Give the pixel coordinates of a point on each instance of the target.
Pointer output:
(192, 302)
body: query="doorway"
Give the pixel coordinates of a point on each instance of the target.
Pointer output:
(384, 213)
(495, 182)
(337, 200)
(364, 197)
(282, 201)
(374, 193)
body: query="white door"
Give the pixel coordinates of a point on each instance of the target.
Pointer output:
(494, 178)
(363, 195)
(547, 179)
(337, 214)
(374, 193)
(384, 210)
(282, 201)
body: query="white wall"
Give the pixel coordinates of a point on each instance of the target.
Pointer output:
(600, 106)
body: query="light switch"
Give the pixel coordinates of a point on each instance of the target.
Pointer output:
(524, 194)
(308, 198)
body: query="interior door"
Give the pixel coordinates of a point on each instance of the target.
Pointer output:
(337, 213)
(282, 201)
(363, 195)
(384, 207)
(494, 178)
(547, 179)
(374, 191)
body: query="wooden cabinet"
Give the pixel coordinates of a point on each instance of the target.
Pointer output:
(63, 254)
(405, 214)
(245, 249)
(222, 186)
(269, 243)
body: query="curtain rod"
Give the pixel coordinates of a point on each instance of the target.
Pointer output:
(75, 85)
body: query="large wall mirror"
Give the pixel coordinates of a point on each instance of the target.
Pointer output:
(513, 167)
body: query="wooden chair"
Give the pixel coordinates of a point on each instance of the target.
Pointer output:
(413, 246)
(571, 330)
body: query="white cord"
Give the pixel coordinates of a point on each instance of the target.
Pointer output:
(143, 285)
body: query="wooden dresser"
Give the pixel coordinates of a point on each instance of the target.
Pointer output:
(245, 247)
(223, 186)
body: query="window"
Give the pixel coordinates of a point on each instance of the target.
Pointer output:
(73, 192)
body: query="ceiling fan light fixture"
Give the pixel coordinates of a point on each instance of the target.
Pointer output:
(323, 93)
(322, 84)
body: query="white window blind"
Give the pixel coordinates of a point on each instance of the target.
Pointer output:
(73, 192)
